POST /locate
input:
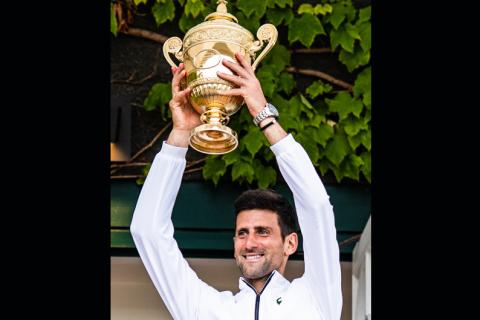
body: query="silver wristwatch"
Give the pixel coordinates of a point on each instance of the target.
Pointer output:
(268, 111)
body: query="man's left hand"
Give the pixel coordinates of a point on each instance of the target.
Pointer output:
(248, 85)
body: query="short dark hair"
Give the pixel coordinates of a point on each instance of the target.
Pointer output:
(269, 199)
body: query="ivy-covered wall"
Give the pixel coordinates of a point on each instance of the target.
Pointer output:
(318, 76)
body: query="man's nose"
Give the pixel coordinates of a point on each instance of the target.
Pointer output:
(251, 242)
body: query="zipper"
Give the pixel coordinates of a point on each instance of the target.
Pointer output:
(257, 299)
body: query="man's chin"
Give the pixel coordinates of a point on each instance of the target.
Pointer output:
(253, 274)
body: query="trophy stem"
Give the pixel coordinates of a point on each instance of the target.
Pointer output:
(213, 136)
(215, 115)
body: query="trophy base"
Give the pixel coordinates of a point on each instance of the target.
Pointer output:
(213, 139)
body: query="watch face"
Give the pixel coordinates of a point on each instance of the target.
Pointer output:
(272, 109)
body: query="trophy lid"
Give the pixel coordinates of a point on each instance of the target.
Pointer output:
(221, 13)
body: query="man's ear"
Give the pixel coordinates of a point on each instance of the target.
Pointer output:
(291, 243)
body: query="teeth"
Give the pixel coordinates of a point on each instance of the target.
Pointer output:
(253, 257)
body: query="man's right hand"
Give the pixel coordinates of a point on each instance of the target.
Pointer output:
(184, 117)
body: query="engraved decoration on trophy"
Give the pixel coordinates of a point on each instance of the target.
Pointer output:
(202, 50)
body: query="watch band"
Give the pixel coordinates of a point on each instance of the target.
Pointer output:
(268, 111)
(268, 125)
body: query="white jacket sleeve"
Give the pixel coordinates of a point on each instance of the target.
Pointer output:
(315, 216)
(152, 231)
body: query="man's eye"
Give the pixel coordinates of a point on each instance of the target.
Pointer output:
(241, 233)
(263, 231)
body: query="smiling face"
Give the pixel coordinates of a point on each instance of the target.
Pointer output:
(259, 247)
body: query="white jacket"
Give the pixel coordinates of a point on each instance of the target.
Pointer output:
(315, 295)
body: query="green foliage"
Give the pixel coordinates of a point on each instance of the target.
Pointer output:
(163, 11)
(305, 29)
(113, 20)
(159, 96)
(250, 6)
(332, 124)
(194, 7)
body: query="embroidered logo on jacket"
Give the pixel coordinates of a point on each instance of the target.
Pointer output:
(279, 300)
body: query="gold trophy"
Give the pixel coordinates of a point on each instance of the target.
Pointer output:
(202, 50)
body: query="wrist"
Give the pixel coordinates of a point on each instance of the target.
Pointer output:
(179, 137)
(268, 111)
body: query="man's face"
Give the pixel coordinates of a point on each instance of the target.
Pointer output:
(259, 248)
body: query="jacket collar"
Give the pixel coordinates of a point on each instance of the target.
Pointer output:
(274, 281)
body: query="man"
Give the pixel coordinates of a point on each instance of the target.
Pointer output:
(264, 235)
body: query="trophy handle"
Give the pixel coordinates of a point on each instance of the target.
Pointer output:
(173, 45)
(268, 33)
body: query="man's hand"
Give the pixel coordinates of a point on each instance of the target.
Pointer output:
(251, 91)
(249, 86)
(184, 117)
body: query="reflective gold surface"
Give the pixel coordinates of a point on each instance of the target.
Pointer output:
(202, 50)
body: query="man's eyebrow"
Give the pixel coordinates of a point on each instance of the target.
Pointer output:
(262, 228)
(242, 229)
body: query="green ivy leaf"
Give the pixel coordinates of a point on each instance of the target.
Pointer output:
(186, 23)
(182, 2)
(250, 6)
(365, 32)
(297, 106)
(288, 116)
(350, 166)
(305, 29)
(341, 11)
(305, 8)
(355, 140)
(309, 145)
(317, 88)
(366, 168)
(354, 60)
(266, 175)
(254, 140)
(194, 7)
(268, 80)
(286, 82)
(277, 15)
(323, 9)
(242, 169)
(353, 125)
(163, 12)
(337, 148)
(320, 135)
(284, 3)
(324, 165)
(364, 14)
(158, 96)
(344, 104)
(306, 102)
(231, 157)
(342, 37)
(277, 59)
(137, 2)
(316, 121)
(362, 86)
(251, 24)
(366, 139)
(213, 169)
(113, 20)
(267, 154)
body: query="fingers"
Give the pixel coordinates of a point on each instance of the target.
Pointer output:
(178, 74)
(236, 68)
(182, 95)
(229, 77)
(243, 62)
(231, 92)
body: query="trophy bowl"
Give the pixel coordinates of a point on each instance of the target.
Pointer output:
(202, 50)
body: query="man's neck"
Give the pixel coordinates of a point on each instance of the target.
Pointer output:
(259, 284)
